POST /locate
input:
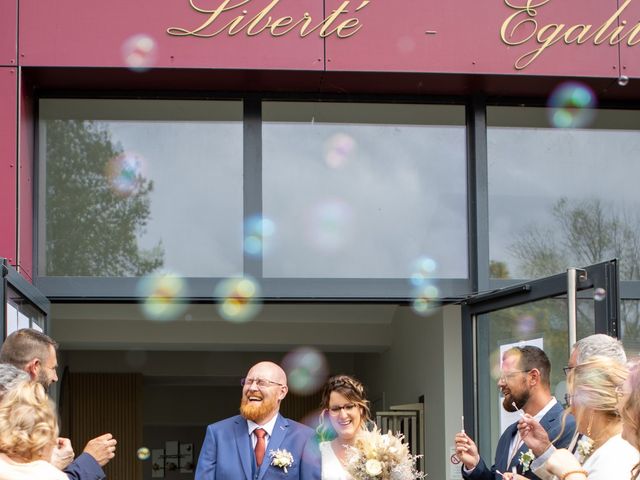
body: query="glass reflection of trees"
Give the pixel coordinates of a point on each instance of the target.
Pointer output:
(582, 232)
(92, 230)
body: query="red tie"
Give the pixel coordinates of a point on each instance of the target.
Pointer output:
(260, 445)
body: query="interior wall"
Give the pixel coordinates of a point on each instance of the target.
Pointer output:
(425, 358)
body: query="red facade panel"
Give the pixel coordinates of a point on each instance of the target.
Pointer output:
(457, 37)
(8, 31)
(25, 182)
(82, 33)
(8, 169)
(630, 44)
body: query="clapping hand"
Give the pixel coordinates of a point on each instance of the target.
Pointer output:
(62, 454)
(102, 448)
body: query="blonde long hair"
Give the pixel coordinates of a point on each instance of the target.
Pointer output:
(28, 423)
(631, 411)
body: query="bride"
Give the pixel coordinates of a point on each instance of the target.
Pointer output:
(345, 413)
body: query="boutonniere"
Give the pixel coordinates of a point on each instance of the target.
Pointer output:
(585, 448)
(281, 458)
(525, 460)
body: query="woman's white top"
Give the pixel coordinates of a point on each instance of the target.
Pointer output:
(612, 461)
(40, 470)
(332, 469)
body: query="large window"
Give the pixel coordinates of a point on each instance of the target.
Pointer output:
(562, 197)
(134, 187)
(364, 190)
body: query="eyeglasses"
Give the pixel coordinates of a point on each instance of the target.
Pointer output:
(260, 382)
(506, 376)
(335, 410)
(567, 369)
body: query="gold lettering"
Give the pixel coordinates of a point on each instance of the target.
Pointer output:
(529, 10)
(352, 23)
(259, 17)
(632, 35)
(264, 21)
(280, 22)
(580, 38)
(181, 32)
(603, 28)
(521, 27)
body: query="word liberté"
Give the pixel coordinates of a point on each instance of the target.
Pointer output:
(261, 21)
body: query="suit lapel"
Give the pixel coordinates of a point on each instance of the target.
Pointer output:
(506, 450)
(547, 422)
(243, 443)
(277, 436)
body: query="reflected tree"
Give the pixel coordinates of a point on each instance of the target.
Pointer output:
(584, 232)
(92, 230)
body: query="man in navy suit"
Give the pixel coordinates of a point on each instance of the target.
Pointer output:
(36, 353)
(524, 382)
(259, 444)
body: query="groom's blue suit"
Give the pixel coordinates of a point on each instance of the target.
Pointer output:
(227, 453)
(551, 422)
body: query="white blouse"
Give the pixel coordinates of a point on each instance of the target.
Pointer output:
(332, 469)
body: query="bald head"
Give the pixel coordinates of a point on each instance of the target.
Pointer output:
(268, 371)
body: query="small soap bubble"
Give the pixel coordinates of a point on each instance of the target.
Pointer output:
(599, 294)
(525, 325)
(139, 52)
(257, 232)
(330, 225)
(143, 453)
(238, 299)
(162, 296)
(339, 149)
(421, 270)
(425, 299)
(623, 80)
(126, 173)
(306, 369)
(572, 105)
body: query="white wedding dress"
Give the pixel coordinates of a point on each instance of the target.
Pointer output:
(332, 469)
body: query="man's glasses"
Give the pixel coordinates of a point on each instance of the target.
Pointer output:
(506, 376)
(335, 410)
(260, 382)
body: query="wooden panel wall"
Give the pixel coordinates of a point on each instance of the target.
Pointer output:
(97, 403)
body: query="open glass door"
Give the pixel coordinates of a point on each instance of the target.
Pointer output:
(535, 312)
(23, 305)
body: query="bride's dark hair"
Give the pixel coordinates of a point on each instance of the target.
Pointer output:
(350, 388)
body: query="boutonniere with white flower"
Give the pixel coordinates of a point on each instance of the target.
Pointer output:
(281, 458)
(525, 460)
(585, 448)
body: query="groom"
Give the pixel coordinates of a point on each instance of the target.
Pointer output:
(260, 443)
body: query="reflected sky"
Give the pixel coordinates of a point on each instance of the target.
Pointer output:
(402, 189)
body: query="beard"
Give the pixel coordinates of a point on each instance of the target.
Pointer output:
(258, 412)
(520, 401)
(43, 380)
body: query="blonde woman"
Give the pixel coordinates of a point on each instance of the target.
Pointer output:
(28, 433)
(345, 413)
(594, 388)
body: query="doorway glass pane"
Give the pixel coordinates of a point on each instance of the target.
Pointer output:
(545, 322)
(630, 326)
